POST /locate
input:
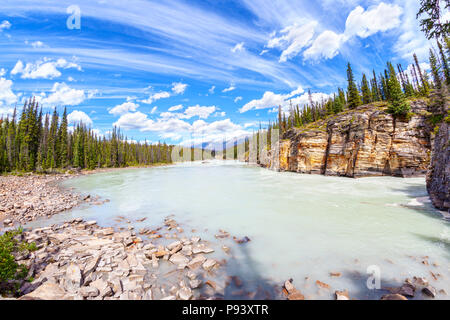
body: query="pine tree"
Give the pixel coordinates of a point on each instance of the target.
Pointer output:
(366, 94)
(444, 61)
(425, 90)
(63, 143)
(354, 100)
(398, 105)
(435, 70)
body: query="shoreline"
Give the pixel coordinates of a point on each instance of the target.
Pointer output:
(114, 279)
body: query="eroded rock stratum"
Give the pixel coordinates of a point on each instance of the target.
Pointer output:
(362, 142)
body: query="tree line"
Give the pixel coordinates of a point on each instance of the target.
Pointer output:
(43, 142)
(394, 86)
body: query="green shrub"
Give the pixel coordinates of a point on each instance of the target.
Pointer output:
(9, 268)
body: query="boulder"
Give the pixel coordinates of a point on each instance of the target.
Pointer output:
(429, 291)
(196, 262)
(185, 294)
(393, 296)
(47, 291)
(342, 295)
(73, 279)
(179, 259)
(209, 264)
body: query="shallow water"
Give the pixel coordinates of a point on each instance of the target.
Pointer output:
(301, 226)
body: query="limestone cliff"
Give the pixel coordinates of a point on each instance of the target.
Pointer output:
(366, 141)
(438, 177)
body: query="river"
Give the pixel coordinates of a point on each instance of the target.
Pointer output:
(302, 227)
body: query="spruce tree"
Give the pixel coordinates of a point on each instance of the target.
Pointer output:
(398, 105)
(62, 137)
(366, 94)
(353, 100)
(435, 70)
(444, 61)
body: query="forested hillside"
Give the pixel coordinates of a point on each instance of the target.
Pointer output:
(41, 142)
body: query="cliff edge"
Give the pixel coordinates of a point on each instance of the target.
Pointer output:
(366, 141)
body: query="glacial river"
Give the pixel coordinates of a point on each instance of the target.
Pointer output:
(302, 227)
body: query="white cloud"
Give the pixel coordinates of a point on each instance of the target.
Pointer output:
(294, 38)
(238, 47)
(199, 111)
(412, 39)
(230, 88)
(5, 25)
(270, 100)
(211, 90)
(178, 87)
(365, 23)
(44, 69)
(326, 45)
(63, 95)
(124, 108)
(136, 120)
(2, 72)
(176, 108)
(157, 96)
(220, 114)
(7, 96)
(37, 44)
(76, 117)
(263, 52)
(237, 99)
(154, 109)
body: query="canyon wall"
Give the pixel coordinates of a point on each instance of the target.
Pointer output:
(357, 143)
(438, 177)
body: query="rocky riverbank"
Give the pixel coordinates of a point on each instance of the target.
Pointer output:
(80, 260)
(25, 198)
(30, 196)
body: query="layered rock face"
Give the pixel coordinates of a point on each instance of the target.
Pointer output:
(438, 177)
(362, 142)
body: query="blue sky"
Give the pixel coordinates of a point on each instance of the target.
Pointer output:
(202, 70)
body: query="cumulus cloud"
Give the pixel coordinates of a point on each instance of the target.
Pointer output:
(124, 108)
(76, 117)
(63, 95)
(7, 96)
(298, 38)
(157, 96)
(365, 23)
(270, 100)
(199, 111)
(37, 44)
(326, 45)
(293, 39)
(360, 22)
(178, 87)
(42, 69)
(5, 25)
(237, 99)
(203, 112)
